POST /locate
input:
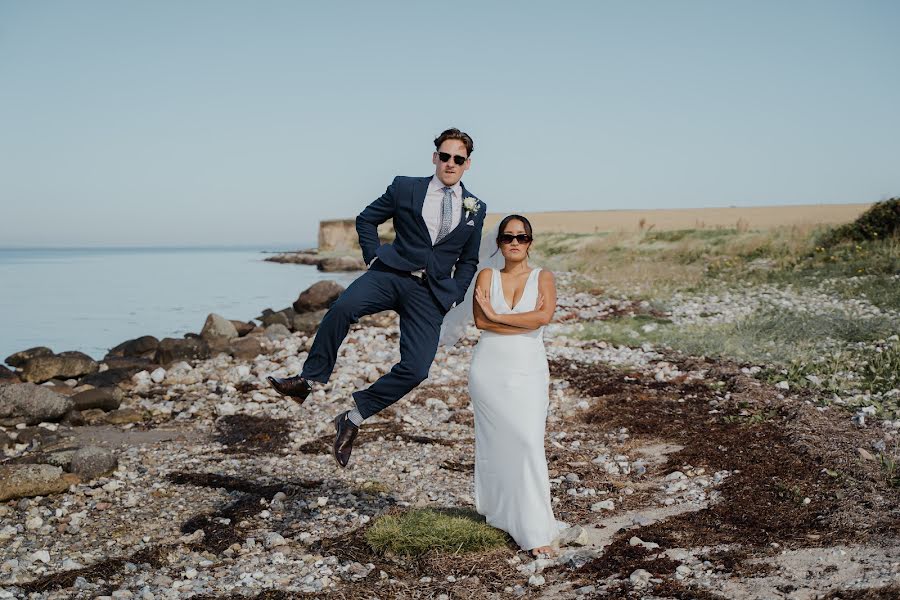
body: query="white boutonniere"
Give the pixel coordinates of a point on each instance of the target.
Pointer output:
(472, 205)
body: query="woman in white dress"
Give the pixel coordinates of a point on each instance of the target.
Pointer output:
(509, 386)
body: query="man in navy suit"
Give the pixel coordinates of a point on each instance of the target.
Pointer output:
(421, 275)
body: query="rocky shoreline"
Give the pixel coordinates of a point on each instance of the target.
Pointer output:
(170, 469)
(326, 262)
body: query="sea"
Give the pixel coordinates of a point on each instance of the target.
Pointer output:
(92, 299)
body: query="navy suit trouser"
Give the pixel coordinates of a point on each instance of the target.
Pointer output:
(381, 288)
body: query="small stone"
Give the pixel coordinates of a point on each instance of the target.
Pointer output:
(435, 404)
(865, 454)
(574, 536)
(636, 541)
(640, 578)
(92, 462)
(603, 505)
(536, 580)
(123, 416)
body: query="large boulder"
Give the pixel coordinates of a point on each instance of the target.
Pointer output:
(123, 416)
(282, 317)
(242, 327)
(75, 354)
(217, 326)
(130, 362)
(32, 404)
(144, 346)
(106, 398)
(173, 349)
(245, 348)
(59, 386)
(20, 358)
(219, 344)
(120, 369)
(319, 295)
(341, 263)
(43, 368)
(308, 323)
(92, 462)
(26, 481)
(277, 332)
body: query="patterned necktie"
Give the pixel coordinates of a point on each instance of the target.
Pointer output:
(446, 215)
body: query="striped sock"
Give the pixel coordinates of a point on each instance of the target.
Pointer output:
(355, 418)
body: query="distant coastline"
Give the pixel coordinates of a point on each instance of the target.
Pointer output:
(266, 248)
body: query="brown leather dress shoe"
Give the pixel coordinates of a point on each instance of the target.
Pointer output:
(294, 387)
(343, 441)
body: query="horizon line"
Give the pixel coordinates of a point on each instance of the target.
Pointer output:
(261, 247)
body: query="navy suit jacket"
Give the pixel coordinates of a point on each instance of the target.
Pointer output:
(449, 265)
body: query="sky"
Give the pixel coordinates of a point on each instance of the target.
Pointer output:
(245, 123)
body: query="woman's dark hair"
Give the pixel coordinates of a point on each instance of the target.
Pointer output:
(455, 134)
(525, 223)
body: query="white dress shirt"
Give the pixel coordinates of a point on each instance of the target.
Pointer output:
(431, 210)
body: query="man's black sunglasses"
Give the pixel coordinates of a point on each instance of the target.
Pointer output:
(507, 238)
(456, 158)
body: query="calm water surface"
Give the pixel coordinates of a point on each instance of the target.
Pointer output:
(91, 299)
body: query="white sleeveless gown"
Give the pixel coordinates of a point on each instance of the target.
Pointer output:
(509, 385)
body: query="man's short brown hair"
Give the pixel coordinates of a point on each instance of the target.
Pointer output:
(455, 134)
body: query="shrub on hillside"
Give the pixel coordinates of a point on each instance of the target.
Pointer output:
(879, 222)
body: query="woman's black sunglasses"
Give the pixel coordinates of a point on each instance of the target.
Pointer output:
(507, 238)
(456, 158)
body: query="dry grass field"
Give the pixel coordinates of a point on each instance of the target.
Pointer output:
(741, 218)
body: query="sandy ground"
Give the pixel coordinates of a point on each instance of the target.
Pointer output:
(752, 217)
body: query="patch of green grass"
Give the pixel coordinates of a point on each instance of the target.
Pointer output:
(766, 336)
(373, 487)
(419, 531)
(751, 418)
(626, 331)
(657, 263)
(851, 269)
(830, 351)
(881, 291)
(553, 244)
(891, 468)
(882, 369)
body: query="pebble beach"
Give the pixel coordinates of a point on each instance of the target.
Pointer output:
(185, 476)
